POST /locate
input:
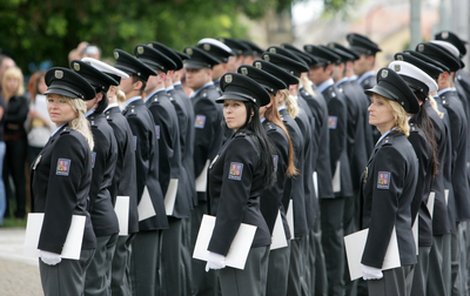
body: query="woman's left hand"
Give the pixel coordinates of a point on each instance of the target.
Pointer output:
(215, 261)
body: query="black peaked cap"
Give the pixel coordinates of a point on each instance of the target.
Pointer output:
(361, 44)
(440, 54)
(154, 58)
(391, 86)
(235, 86)
(276, 71)
(169, 52)
(65, 82)
(293, 67)
(285, 52)
(430, 69)
(268, 81)
(307, 58)
(345, 53)
(239, 48)
(95, 77)
(219, 53)
(254, 49)
(132, 65)
(199, 59)
(322, 52)
(428, 60)
(454, 40)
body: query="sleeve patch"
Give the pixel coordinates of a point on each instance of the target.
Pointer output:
(63, 167)
(157, 132)
(383, 180)
(332, 122)
(236, 171)
(200, 121)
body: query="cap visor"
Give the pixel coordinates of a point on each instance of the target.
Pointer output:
(195, 65)
(232, 96)
(62, 92)
(377, 89)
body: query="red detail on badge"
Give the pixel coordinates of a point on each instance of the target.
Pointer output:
(63, 167)
(236, 171)
(383, 180)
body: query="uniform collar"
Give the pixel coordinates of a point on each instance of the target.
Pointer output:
(365, 76)
(384, 136)
(129, 101)
(198, 91)
(325, 84)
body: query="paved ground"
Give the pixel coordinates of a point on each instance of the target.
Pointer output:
(18, 275)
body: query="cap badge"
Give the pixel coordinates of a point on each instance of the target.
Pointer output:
(258, 65)
(445, 35)
(116, 55)
(399, 57)
(59, 74)
(266, 57)
(244, 71)
(397, 68)
(384, 73)
(228, 78)
(140, 49)
(189, 51)
(272, 49)
(76, 66)
(206, 47)
(421, 47)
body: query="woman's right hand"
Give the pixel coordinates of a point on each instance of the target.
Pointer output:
(49, 258)
(215, 261)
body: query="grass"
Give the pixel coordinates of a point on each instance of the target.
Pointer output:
(14, 222)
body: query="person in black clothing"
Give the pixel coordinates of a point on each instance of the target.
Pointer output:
(15, 114)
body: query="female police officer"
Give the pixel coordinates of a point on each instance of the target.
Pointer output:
(237, 176)
(389, 183)
(61, 176)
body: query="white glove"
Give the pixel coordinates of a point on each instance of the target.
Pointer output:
(371, 273)
(215, 261)
(49, 258)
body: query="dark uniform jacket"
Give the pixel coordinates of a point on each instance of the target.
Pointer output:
(146, 155)
(419, 207)
(296, 189)
(124, 179)
(208, 129)
(441, 222)
(388, 188)
(60, 184)
(367, 80)
(337, 124)
(168, 137)
(187, 135)
(321, 143)
(458, 129)
(273, 199)
(104, 154)
(235, 186)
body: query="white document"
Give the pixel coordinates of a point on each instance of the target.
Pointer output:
(337, 178)
(278, 238)
(238, 252)
(73, 242)
(430, 204)
(201, 180)
(170, 196)
(121, 208)
(415, 231)
(315, 183)
(290, 218)
(446, 196)
(145, 207)
(355, 244)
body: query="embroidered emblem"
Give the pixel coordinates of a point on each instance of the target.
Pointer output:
(383, 180)
(200, 121)
(157, 132)
(93, 159)
(236, 171)
(332, 122)
(63, 167)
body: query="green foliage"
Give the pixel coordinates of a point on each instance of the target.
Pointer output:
(38, 30)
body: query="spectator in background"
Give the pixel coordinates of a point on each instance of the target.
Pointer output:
(39, 125)
(16, 111)
(5, 63)
(92, 51)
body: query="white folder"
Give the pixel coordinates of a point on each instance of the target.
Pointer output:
(201, 180)
(278, 238)
(145, 207)
(170, 196)
(121, 208)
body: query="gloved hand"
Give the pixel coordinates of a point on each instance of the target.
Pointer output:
(371, 273)
(215, 261)
(49, 258)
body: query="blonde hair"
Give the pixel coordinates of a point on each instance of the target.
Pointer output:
(306, 84)
(80, 123)
(120, 95)
(13, 72)
(290, 102)
(434, 105)
(400, 116)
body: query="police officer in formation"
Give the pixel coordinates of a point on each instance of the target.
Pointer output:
(281, 139)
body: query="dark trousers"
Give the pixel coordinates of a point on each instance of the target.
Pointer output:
(350, 226)
(144, 262)
(33, 152)
(439, 277)
(421, 271)
(120, 278)
(98, 275)
(248, 282)
(67, 277)
(297, 283)
(203, 283)
(278, 269)
(14, 167)
(459, 271)
(321, 281)
(186, 257)
(332, 212)
(171, 251)
(395, 282)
